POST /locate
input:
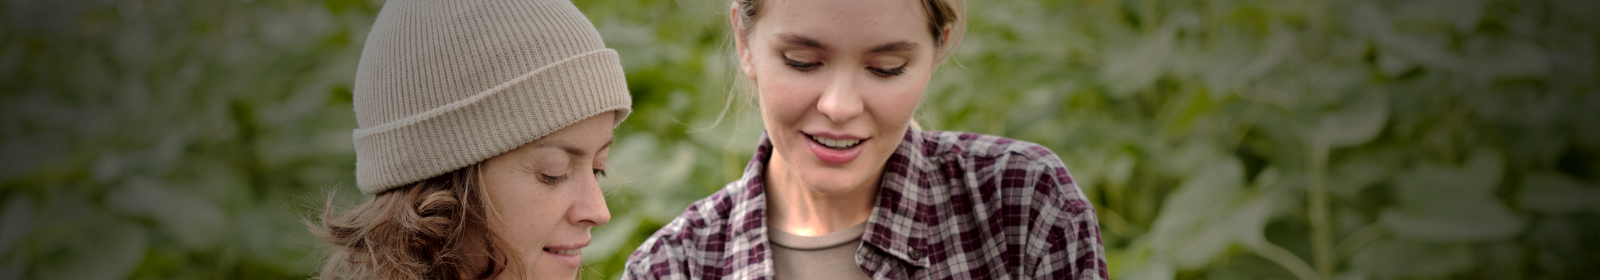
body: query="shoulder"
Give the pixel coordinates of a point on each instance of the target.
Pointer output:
(1025, 179)
(938, 144)
(694, 237)
(1014, 175)
(996, 167)
(995, 155)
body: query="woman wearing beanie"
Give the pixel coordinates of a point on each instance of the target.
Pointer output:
(842, 186)
(483, 127)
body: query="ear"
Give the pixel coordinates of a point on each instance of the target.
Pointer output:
(946, 35)
(740, 42)
(944, 47)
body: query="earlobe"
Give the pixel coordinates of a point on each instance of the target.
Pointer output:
(749, 70)
(744, 60)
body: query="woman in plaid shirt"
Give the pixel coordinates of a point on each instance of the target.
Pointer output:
(842, 186)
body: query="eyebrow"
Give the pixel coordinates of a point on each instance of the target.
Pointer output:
(802, 40)
(894, 47)
(570, 149)
(813, 43)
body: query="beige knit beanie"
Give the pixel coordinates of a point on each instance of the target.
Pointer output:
(444, 84)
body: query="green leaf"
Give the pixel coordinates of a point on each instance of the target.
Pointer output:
(1354, 124)
(1119, 167)
(1428, 49)
(1514, 58)
(1348, 177)
(1448, 204)
(611, 237)
(192, 221)
(1431, 183)
(1557, 193)
(1250, 219)
(1392, 65)
(16, 222)
(1186, 233)
(109, 248)
(629, 161)
(1474, 221)
(1279, 45)
(1391, 259)
(1149, 270)
(676, 171)
(1129, 69)
(1458, 15)
(15, 267)
(1208, 190)
(271, 239)
(1246, 267)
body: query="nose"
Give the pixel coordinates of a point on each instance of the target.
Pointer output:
(590, 206)
(841, 101)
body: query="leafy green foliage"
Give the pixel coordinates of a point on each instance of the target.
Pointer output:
(1310, 139)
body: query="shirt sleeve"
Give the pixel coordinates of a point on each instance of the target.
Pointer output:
(1075, 251)
(656, 258)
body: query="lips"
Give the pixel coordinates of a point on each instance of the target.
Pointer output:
(844, 144)
(567, 255)
(834, 149)
(564, 252)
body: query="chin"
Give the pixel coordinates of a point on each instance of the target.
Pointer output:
(833, 180)
(554, 275)
(538, 270)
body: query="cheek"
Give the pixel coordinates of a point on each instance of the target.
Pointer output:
(526, 209)
(893, 103)
(528, 222)
(783, 96)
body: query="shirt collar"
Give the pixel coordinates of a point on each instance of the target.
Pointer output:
(900, 216)
(747, 235)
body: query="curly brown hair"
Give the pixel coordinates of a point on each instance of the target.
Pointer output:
(433, 229)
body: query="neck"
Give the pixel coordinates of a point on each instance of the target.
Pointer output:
(797, 209)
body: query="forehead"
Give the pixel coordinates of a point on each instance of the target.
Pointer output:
(847, 22)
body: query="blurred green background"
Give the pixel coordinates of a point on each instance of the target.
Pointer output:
(1226, 139)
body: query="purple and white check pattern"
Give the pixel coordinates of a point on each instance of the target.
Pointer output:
(952, 205)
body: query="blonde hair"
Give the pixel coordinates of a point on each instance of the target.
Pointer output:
(942, 14)
(432, 229)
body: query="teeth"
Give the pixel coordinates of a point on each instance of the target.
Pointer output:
(837, 144)
(563, 252)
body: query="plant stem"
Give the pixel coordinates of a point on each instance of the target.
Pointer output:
(1356, 240)
(1322, 255)
(1288, 260)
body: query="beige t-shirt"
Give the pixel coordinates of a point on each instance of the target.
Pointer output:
(829, 256)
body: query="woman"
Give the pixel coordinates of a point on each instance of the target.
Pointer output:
(483, 126)
(841, 186)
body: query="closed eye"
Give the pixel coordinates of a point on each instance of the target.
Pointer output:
(600, 172)
(801, 66)
(888, 72)
(552, 180)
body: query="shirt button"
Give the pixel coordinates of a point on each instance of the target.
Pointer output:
(916, 254)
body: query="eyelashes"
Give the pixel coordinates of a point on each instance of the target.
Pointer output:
(888, 72)
(553, 180)
(801, 66)
(806, 67)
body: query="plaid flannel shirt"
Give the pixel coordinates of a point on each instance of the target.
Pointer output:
(952, 205)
